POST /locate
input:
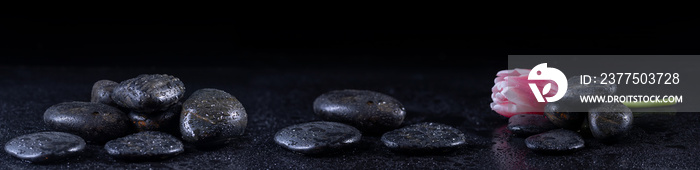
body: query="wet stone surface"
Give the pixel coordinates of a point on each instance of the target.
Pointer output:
(610, 121)
(148, 92)
(165, 121)
(94, 122)
(424, 138)
(212, 117)
(366, 110)
(317, 137)
(529, 124)
(102, 92)
(561, 116)
(145, 146)
(45, 147)
(555, 141)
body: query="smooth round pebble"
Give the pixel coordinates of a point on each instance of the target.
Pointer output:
(212, 117)
(164, 121)
(555, 141)
(368, 111)
(94, 122)
(560, 115)
(45, 147)
(529, 124)
(610, 121)
(102, 92)
(148, 92)
(147, 145)
(424, 137)
(317, 137)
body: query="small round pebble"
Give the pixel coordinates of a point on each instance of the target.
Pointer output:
(555, 141)
(94, 122)
(366, 110)
(560, 115)
(102, 92)
(45, 147)
(529, 124)
(212, 117)
(147, 145)
(317, 137)
(424, 138)
(148, 92)
(164, 121)
(610, 121)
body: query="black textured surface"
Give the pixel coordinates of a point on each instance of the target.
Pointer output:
(277, 98)
(94, 122)
(426, 137)
(555, 141)
(212, 117)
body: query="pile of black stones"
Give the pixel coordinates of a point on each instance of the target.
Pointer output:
(139, 119)
(348, 114)
(560, 130)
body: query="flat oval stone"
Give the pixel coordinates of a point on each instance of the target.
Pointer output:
(148, 92)
(555, 141)
(94, 122)
(164, 121)
(212, 117)
(560, 115)
(424, 138)
(368, 111)
(45, 147)
(147, 145)
(529, 124)
(610, 121)
(102, 92)
(317, 137)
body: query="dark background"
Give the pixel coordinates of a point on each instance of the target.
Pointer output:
(299, 41)
(441, 68)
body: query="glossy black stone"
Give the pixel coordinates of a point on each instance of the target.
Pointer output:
(164, 121)
(368, 111)
(610, 121)
(212, 117)
(44, 147)
(555, 141)
(424, 138)
(102, 92)
(562, 116)
(94, 122)
(149, 92)
(142, 146)
(529, 124)
(317, 137)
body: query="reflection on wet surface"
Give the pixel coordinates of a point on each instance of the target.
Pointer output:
(509, 152)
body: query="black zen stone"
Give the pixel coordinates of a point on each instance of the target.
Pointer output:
(148, 92)
(555, 141)
(317, 137)
(610, 121)
(102, 92)
(368, 111)
(212, 117)
(424, 138)
(44, 147)
(94, 122)
(560, 115)
(529, 124)
(143, 146)
(164, 121)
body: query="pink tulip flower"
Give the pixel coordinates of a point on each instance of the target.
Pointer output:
(512, 94)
